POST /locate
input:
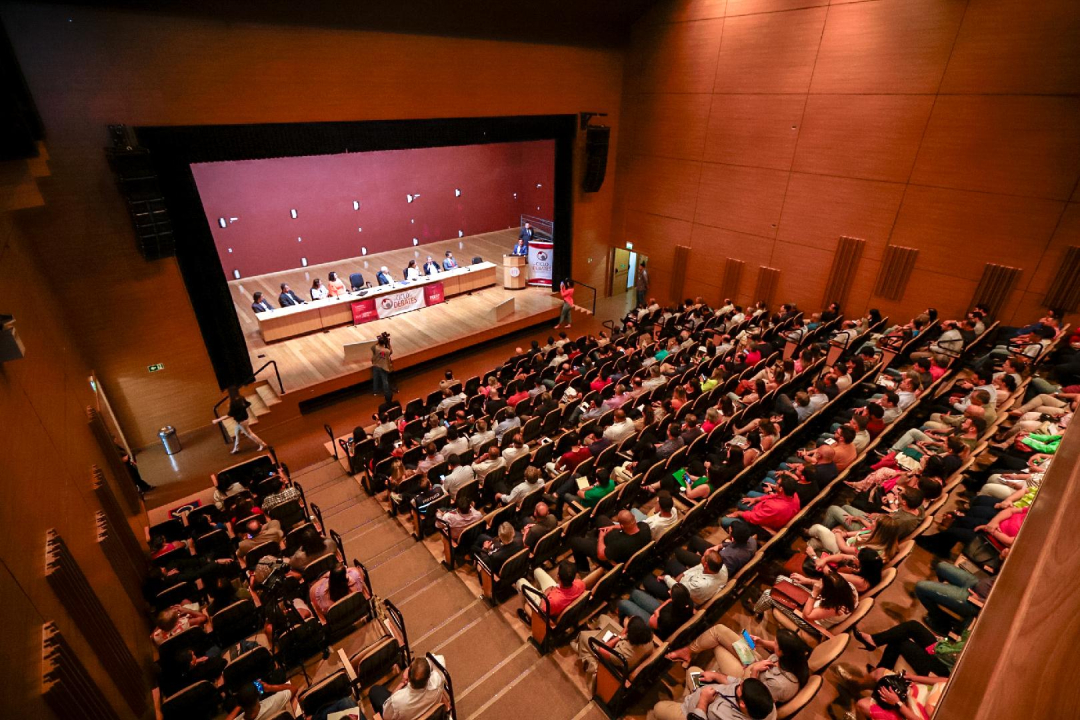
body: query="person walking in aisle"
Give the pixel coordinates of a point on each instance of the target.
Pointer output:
(238, 411)
(566, 290)
(641, 282)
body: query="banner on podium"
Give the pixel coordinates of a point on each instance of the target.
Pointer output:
(540, 258)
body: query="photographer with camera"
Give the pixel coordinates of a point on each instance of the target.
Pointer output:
(381, 365)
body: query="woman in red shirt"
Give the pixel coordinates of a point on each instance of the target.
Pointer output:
(566, 290)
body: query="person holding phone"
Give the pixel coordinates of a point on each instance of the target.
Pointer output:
(782, 664)
(566, 291)
(633, 644)
(719, 698)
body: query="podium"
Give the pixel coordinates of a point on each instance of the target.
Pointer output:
(514, 271)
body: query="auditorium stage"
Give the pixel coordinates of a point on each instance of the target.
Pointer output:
(313, 365)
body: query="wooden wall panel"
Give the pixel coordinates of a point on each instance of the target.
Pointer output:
(654, 236)
(1016, 46)
(662, 186)
(767, 280)
(1010, 145)
(795, 282)
(895, 271)
(67, 686)
(711, 250)
(757, 130)
(875, 137)
(671, 125)
(845, 266)
(995, 287)
(1067, 233)
(819, 208)
(744, 199)
(890, 46)
(1064, 292)
(750, 7)
(733, 270)
(769, 53)
(677, 59)
(995, 227)
(678, 273)
(682, 11)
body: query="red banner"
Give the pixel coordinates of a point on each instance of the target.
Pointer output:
(364, 311)
(433, 293)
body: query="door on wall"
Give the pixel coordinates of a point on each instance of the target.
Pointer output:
(623, 270)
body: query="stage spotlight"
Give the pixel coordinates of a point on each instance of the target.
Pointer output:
(236, 274)
(303, 262)
(230, 249)
(221, 222)
(299, 239)
(515, 196)
(355, 204)
(412, 221)
(460, 233)
(415, 242)
(293, 213)
(539, 185)
(363, 250)
(457, 192)
(359, 229)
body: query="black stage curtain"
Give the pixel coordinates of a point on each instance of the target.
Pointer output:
(174, 149)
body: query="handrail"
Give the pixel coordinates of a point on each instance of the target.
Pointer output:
(250, 380)
(594, 293)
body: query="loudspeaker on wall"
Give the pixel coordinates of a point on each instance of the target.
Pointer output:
(596, 152)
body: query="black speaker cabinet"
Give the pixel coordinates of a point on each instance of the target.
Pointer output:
(596, 151)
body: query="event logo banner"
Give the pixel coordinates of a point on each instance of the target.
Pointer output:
(364, 311)
(433, 294)
(401, 302)
(540, 257)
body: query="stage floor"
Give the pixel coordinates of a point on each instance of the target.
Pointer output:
(418, 336)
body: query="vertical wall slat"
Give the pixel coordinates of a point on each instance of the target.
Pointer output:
(895, 271)
(75, 593)
(678, 272)
(768, 279)
(844, 267)
(995, 286)
(733, 268)
(1064, 291)
(65, 683)
(116, 464)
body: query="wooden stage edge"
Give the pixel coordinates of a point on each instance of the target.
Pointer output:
(289, 408)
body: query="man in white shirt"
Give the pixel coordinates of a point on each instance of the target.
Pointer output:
(481, 434)
(456, 444)
(435, 431)
(818, 398)
(449, 399)
(654, 380)
(622, 428)
(492, 461)
(702, 581)
(457, 476)
(506, 425)
(906, 393)
(516, 449)
(534, 481)
(664, 518)
(385, 425)
(420, 687)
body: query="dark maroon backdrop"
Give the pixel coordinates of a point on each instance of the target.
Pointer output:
(265, 238)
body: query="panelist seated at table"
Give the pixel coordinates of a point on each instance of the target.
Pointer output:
(261, 304)
(318, 290)
(384, 277)
(412, 272)
(288, 298)
(335, 286)
(431, 267)
(449, 263)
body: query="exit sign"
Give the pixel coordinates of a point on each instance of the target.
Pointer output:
(155, 367)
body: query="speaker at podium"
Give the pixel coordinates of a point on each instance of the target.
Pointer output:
(514, 271)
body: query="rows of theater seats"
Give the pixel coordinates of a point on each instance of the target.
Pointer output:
(252, 629)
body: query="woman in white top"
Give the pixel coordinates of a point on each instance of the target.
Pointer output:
(412, 272)
(318, 290)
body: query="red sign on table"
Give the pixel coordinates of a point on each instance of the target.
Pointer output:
(364, 311)
(433, 293)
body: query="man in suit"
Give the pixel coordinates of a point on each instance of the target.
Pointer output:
(261, 304)
(449, 263)
(431, 267)
(288, 297)
(521, 249)
(384, 277)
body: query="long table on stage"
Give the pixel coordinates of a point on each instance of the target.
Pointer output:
(281, 323)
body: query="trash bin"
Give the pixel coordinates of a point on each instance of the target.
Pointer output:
(169, 440)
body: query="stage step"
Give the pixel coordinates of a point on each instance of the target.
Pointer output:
(258, 407)
(267, 394)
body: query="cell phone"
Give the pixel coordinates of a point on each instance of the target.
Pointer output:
(695, 678)
(259, 686)
(607, 637)
(748, 638)
(830, 441)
